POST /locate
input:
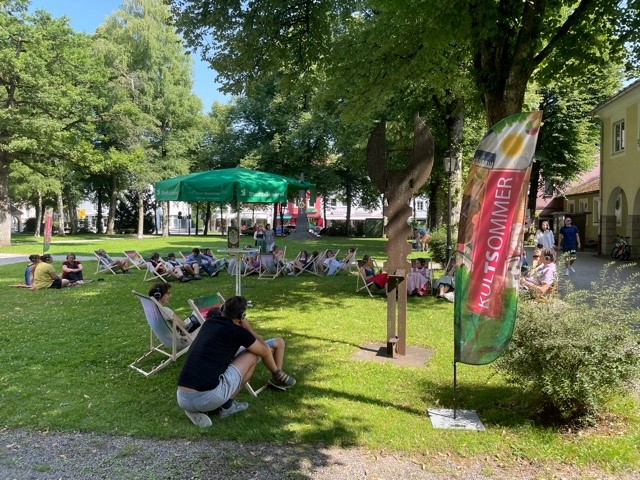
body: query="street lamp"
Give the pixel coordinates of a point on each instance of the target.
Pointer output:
(451, 162)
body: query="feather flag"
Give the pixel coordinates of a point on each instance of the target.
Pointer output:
(490, 238)
(48, 227)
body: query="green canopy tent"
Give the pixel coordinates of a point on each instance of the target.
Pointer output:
(234, 185)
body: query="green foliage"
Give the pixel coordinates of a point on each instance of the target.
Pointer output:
(438, 243)
(72, 374)
(570, 357)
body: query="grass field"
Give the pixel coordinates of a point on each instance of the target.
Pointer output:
(64, 366)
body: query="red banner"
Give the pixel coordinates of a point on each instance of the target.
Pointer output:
(48, 226)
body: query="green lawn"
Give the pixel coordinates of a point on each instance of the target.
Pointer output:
(64, 366)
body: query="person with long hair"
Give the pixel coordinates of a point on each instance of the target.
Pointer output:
(544, 236)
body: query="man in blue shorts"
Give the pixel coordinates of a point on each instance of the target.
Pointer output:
(220, 362)
(569, 241)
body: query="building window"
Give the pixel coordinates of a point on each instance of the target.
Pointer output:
(548, 188)
(584, 205)
(618, 210)
(571, 205)
(420, 205)
(596, 211)
(618, 136)
(333, 202)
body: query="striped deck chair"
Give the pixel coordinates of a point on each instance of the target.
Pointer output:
(201, 307)
(135, 259)
(166, 337)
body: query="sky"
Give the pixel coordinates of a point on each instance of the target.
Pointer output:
(87, 15)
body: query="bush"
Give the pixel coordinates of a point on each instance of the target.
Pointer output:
(570, 356)
(30, 225)
(438, 243)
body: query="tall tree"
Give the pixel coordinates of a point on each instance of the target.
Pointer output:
(152, 127)
(46, 100)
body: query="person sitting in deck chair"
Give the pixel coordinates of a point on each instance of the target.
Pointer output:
(331, 263)
(217, 367)
(541, 280)
(161, 292)
(369, 273)
(161, 267)
(114, 264)
(199, 262)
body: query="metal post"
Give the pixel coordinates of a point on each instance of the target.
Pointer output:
(455, 390)
(448, 215)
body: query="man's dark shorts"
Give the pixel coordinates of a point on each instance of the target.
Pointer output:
(57, 283)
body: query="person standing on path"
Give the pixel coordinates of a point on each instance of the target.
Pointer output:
(544, 236)
(569, 241)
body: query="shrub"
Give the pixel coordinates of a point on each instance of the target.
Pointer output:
(30, 225)
(438, 243)
(571, 355)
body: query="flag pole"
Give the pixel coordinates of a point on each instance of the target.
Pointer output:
(455, 389)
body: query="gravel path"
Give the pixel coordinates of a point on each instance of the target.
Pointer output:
(45, 455)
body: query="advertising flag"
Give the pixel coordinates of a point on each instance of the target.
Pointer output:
(490, 239)
(48, 226)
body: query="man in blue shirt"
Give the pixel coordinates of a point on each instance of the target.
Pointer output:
(569, 241)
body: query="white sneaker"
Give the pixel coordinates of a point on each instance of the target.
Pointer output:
(450, 296)
(236, 407)
(566, 272)
(199, 419)
(572, 269)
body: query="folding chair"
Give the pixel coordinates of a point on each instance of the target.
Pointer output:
(200, 307)
(248, 264)
(326, 269)
(268, 268)
(152, 274)
(104, 263)
(317, 267)
(349, 262)
(135, 259)
(166, 337)
(365, 285)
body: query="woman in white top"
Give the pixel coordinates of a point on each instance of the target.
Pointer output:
(544, 236)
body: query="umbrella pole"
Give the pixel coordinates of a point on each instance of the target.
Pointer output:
(238, 257)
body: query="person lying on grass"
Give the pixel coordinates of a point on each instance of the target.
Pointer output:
(221, 360)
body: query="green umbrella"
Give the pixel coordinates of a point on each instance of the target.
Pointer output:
(235, 185)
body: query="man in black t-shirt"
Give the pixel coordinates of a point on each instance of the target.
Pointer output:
(214, 372)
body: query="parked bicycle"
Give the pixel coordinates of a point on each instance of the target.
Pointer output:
(622, 249)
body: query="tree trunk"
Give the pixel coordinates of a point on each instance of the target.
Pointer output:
(113, 203)
(60, 215)
(73, 215)
(165, 219)
(140, 215)
(99, 213)
(207, 220)
(5, 204)
(197, 217)
(38, 229)
(348, 200)
(534, 188)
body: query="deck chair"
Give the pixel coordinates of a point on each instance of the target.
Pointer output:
(365, 285)
(104, 265)
(135, 259)
(200, 307)
(349, 263)
(166, 338)
(248, 266)
(268, 268)
(317, 266)
(152, 274)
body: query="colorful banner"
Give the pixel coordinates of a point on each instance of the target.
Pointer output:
(490, 239)
(48, 226)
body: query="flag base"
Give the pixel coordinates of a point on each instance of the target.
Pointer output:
(465, 419)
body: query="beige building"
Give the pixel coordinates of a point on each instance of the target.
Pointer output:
(620, 168)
